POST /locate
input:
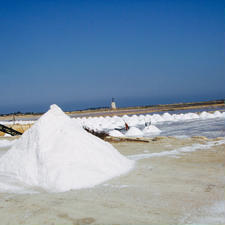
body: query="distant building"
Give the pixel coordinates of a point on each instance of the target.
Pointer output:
(113, 104)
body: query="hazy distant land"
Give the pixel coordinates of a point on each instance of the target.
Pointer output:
(98, 111)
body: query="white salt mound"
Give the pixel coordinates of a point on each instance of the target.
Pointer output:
(57, 154)
(116, 133)
(151, 129)
(134, 132)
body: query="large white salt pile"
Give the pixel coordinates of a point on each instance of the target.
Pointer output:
(57, 154)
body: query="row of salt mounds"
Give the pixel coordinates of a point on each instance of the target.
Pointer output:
(58, 155)
(115, 122)
(136, 132)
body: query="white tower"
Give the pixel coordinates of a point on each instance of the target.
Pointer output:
(113, 104)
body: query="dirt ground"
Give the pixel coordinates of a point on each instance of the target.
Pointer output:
(182, 188)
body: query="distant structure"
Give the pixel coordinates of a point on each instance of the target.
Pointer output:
(113, 104)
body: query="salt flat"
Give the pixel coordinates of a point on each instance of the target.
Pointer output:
(183, 188)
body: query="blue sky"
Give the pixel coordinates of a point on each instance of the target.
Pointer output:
(80, 54)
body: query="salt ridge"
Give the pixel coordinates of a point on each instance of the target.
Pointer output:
(109, 124)
(115, 122)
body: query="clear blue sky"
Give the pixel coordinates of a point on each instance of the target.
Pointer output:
(80, 54)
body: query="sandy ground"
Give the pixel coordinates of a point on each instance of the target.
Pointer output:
(185, 188)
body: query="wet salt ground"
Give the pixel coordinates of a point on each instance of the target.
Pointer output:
(210, 128)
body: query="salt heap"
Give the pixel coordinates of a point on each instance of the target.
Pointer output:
(115, 133)
(151, 129)
(134, 132)
(58, 155)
